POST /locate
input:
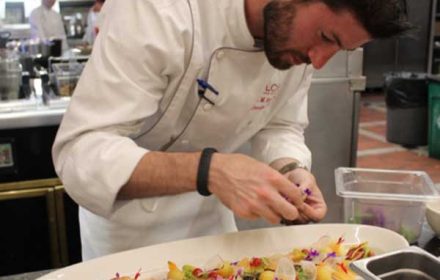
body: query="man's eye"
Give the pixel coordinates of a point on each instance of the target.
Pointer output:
(326, 39)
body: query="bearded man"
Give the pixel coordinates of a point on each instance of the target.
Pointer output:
(174, 87)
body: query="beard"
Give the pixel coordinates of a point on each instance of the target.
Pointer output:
(278, 25)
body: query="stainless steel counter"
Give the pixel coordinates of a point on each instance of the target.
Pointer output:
(32, 112)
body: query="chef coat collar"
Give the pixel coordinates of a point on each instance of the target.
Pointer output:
(46, 9)
(238, 26)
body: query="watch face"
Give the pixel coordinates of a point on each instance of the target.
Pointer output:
(6, 155)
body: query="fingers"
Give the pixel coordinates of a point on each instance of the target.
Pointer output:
(252, 189)
(315, 213)
(268, 204)
(314, 207)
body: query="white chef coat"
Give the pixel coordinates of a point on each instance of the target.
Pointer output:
(47, 24)
(90, 32)
(138, 93)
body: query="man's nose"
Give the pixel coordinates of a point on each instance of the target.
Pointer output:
(320, 55)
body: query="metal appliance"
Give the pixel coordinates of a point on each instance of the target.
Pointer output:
(14, 12)
(401, 54)
(10, 70)
(74, 14)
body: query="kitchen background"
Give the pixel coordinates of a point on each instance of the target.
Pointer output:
(358, 119)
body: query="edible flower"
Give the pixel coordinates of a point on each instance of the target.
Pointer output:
(308, 192)
(329, 255)
(312, 253)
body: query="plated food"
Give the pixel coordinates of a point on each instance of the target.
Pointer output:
(326, 259)
(263, 242)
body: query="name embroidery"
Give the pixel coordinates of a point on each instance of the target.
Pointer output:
(269, 94)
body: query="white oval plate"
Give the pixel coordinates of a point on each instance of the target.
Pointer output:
(232, 246)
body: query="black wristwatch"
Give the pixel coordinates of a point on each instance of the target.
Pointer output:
(203, 171)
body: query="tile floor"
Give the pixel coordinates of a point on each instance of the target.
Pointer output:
(375, 152)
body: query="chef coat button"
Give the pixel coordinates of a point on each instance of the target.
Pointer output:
(184, 142)
(207, 107)
(220, 54)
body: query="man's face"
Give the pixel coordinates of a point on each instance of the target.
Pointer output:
(296, 33)
(49, 3)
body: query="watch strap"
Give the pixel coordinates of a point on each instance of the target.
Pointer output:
(203, 171)
(291, 166)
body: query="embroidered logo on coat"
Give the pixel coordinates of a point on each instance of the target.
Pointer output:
(269, 94)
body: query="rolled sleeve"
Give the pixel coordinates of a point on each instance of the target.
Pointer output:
(99, 173)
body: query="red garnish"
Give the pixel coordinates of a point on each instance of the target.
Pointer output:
(197, 272)
(342, 266)
(138, 274)
(213, 274)
(255, 262)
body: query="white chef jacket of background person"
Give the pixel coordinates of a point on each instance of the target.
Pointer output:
(90, 32)
(138, 93)
(47, 24)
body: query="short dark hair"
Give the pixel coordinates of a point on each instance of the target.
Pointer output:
(380, 18)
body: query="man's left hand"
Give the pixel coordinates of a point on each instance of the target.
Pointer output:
(314, 208)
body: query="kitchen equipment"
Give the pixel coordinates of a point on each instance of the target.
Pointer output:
(75, 27)
(67, 76)
(4, 37)
(36, 52)
(387, 198)
(411, 263)
(433, 215)
(10, 71)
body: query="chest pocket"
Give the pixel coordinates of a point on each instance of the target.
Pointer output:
(250, 92)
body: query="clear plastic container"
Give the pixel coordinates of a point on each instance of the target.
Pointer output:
(67, 76)
(387, 198)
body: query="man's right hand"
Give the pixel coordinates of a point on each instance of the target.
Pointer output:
(252, 189)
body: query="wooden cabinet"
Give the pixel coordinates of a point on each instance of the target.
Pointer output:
(39, 227)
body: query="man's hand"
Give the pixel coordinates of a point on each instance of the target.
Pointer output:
(314, 208)
(252, 189)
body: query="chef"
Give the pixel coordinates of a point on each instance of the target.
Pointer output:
(174, 88)
(92, 22)
(46, 24)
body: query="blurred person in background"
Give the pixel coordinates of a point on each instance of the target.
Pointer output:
(92, 22)
(47, 24)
